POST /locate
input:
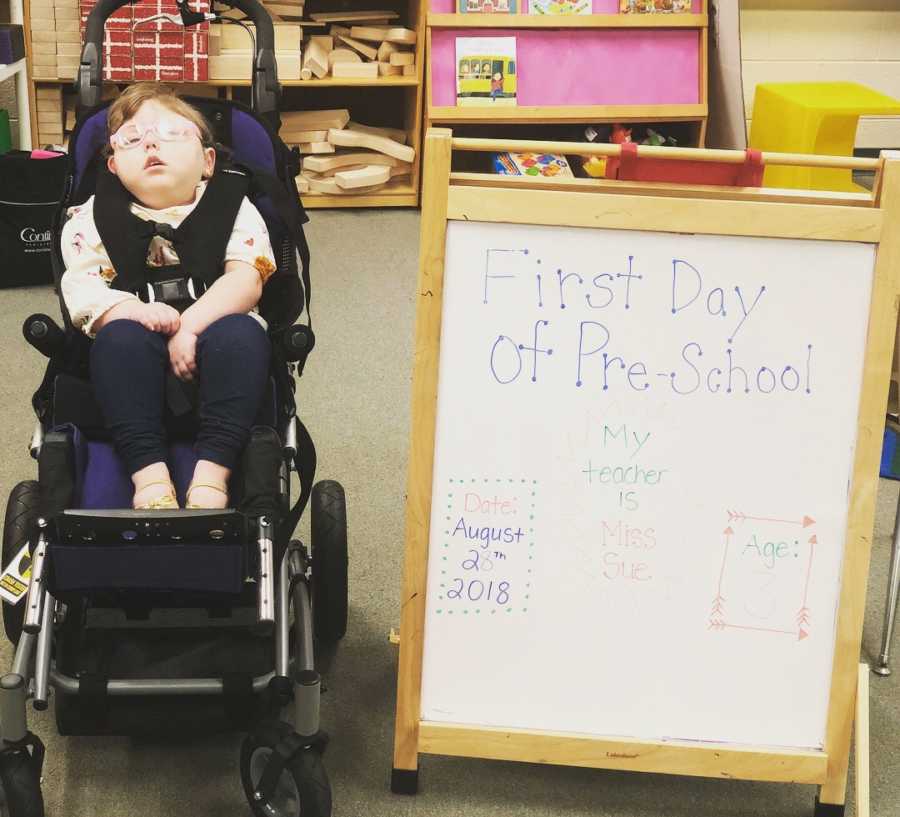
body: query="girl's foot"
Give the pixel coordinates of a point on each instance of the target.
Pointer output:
(153, 489)
(209, 487)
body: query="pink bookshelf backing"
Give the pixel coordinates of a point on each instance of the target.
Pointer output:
(600, 6)
(590, 67)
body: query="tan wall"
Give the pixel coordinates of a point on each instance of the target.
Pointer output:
(820, 40)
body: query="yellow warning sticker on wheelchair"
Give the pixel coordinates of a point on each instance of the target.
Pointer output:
(14, 581)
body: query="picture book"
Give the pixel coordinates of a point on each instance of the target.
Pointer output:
(560, 7)
(548, 165)
(486, 71)
(654, 6)
(487, 6)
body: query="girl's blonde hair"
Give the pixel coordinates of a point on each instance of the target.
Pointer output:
(130, 100)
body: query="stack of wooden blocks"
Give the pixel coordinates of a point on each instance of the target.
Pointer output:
(371, 158)
(284, 9)
(361, 45)
(55, 38)
(231, 51)
(49, 101)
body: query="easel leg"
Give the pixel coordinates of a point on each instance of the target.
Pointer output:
(862, 742)
(890, 610)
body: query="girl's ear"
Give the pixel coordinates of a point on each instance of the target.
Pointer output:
(209, 162)
(111, 164)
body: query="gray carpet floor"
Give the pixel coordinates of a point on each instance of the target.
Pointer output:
(355, 400)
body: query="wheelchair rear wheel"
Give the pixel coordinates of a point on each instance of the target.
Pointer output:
(302, 790)
(329, 561)
(20, 788)
(22, 512)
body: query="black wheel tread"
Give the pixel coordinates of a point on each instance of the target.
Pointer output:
(330, 561)
(21, 513)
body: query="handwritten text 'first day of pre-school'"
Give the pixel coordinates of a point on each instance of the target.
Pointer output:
(597, 360)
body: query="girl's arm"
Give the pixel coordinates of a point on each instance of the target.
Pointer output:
(236, 292)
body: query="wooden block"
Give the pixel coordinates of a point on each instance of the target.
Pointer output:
(305, 73)
(402, 58)
(385, 50)
(43, 48)
(43, 36)
(66, 12)
(45, 92)
(324, 40)
(237, 66)
(409, 70)
(362, 70)
(68, 27)
(41, 11)
(355, 139)
(70, 121)
(367, 51)
(296, 137)
(396, 134)
(364, 177)
(287, 36)
(343, 55)
(68, 49)
(46, 72)
(316, 147)
(69, 37)
(66, 66)
(404, 36)
(375, 34)
(352, 16)
(315, 120)
(39, 58)
(385, 69)
(329, 164)
(43, 25)
(49, 105)
(302, 184)
(316, 59)
(284, 10)
(339, 31)
(329, 186)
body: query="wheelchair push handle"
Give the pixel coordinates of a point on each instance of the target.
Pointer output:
(42, 332)
(265, 91)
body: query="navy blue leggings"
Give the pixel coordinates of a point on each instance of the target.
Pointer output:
(128, 372)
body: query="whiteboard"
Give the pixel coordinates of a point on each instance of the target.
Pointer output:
(643, 450)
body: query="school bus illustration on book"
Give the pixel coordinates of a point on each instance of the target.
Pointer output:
(486, 80)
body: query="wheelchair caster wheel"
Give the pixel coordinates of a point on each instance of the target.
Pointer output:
(20, 786)
(329, 562)
(302, 788)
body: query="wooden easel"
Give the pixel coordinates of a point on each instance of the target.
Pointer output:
(873, 219)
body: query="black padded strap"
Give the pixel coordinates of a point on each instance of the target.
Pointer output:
(305, 463)
(237, 688)
(93, 696)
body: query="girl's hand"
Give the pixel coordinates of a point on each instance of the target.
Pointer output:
(182, 355)
(157, 317)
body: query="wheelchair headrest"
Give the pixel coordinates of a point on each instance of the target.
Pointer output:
(232, 125)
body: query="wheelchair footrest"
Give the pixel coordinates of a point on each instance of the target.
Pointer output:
(172, 567)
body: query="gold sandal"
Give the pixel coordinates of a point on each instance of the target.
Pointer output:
(187, 496)
(166, 502)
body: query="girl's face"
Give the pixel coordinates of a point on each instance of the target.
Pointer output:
(159, 158)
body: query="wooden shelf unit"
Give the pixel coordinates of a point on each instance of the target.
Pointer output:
(529, 114)
(400, 192)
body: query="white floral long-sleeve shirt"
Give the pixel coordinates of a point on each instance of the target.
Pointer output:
(89, 272)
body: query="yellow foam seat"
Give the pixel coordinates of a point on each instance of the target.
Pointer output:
(813, 117)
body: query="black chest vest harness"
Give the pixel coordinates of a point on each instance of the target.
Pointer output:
(200, 241)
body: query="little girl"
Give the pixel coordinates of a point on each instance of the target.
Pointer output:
(161, 150)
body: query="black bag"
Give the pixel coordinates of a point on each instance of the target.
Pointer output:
(30, 193)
